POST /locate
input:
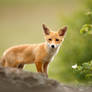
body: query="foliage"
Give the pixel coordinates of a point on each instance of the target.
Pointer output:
(83, 72)
(87, 28)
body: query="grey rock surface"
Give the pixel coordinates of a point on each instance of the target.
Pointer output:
(15, 80)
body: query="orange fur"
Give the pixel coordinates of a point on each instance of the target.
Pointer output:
(40, 54)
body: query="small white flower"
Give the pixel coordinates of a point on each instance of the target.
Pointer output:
(74, 66)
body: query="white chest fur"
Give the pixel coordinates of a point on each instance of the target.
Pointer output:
(51, 54)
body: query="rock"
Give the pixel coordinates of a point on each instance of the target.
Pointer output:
(22, 81)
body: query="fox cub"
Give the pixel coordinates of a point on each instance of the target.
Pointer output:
(40, 54)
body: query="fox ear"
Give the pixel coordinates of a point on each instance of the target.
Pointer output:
(62, 31)
(46, 29)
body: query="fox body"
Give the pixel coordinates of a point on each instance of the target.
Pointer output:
(40, 54)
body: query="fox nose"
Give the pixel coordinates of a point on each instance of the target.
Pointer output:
(52, 46)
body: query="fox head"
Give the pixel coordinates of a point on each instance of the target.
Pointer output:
(54, 39)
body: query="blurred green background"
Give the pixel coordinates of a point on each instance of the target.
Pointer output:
(21, 22)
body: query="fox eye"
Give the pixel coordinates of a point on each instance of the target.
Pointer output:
(50, 39)
(57, 39)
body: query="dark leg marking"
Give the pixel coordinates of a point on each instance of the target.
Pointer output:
(20, 66)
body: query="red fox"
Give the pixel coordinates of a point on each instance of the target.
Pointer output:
(39, 54)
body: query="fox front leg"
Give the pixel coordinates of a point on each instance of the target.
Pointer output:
(45, 68)
(39, 66)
